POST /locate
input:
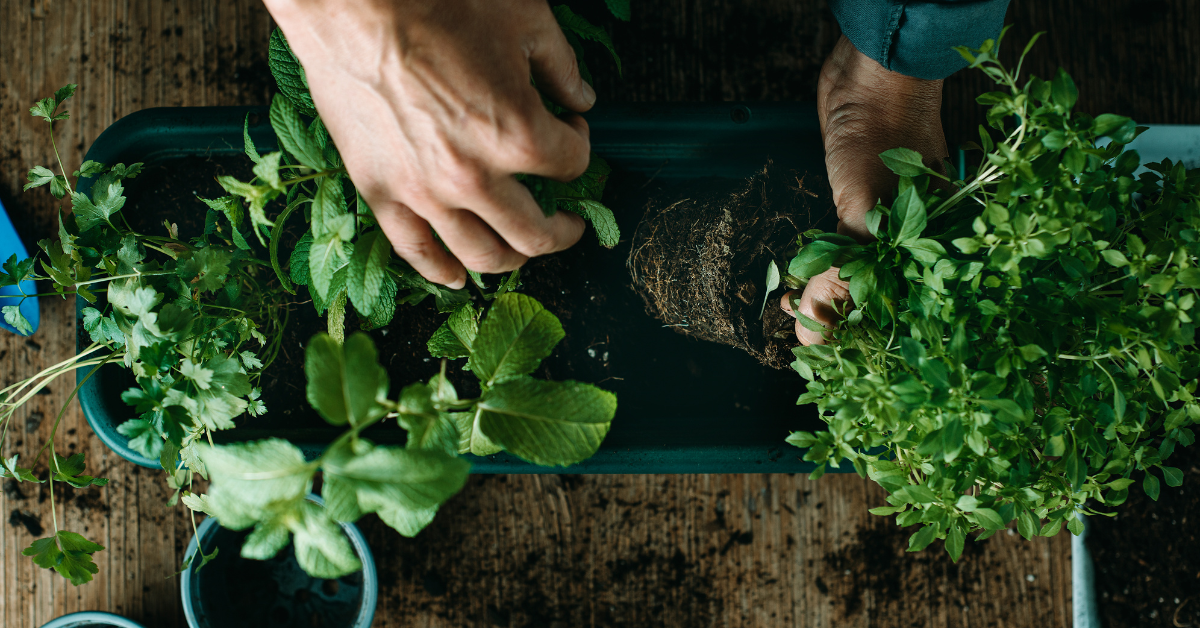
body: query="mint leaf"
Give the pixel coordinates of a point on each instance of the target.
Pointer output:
(619, 9)
(326, 257)
(574, 24)
(455, 337)
(293, 135)
(247, 143)
(368, 266)
(345, 382)
(289, 74)
(322, 549)
(298, 261)
(427, 428)
(547, 423)
(513, 339)
(602, 220)
(471, 438)
(266, 540)
(249, 478)
(404, 486)
(329, 212)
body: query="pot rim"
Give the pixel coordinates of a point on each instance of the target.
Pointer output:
(91, 618)
(366, 610)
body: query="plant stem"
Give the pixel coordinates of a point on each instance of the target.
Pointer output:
(315, 175)
(53, 509)
(59, 159)
(114, 277)
(67, 404)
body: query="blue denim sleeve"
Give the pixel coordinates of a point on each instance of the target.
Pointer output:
(917, 38)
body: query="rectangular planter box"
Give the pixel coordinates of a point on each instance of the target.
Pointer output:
(735, 414)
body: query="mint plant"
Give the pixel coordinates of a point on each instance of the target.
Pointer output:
(197, 318)
(343, 257)
(263, 484)
(1023, 339)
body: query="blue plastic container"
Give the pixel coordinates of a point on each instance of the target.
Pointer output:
(10, 244)
(276, 592)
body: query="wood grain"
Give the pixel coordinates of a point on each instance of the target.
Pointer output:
(700, 550)
(685, 550)
(125, 56)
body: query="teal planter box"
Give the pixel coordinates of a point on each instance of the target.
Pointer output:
(728, 413)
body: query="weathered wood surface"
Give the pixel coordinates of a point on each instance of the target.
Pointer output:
(125, 56)
(687, 550)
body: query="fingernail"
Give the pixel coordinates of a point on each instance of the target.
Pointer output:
(457, 284)
(589, 94)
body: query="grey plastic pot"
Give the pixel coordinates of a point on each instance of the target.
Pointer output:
(92, 619)
(232, 592)
(1083, 582)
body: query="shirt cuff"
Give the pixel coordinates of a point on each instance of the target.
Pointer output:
(918, 38)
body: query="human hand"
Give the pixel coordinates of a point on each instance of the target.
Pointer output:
(865, 109)
(431, 107)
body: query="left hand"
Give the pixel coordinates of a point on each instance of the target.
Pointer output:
(865, 109)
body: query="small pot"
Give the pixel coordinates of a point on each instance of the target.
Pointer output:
(234, 592)
(92, 619)
(1083, 582)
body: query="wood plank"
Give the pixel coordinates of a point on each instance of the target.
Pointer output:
(121, 58)
(700, 550)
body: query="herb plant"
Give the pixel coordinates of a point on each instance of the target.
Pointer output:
(1024, 338)
(197, 318)
(263, 484)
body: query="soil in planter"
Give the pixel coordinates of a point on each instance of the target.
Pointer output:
(236, 592)
(610, 340)
(701, 253)
(1147, 558)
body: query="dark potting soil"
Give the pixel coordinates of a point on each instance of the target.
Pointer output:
(610, 339)
(1147, 557)
(236, 592)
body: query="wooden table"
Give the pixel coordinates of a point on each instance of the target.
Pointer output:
(670, 550)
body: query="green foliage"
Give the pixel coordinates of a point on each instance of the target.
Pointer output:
(583, 195)
(197, 318)
(67, 553)
(185, 314)
(289, 75)
(263, 484)
(1024, 340)
(619, 8)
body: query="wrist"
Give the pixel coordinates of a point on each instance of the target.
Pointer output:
(850, 77)
(866, 109)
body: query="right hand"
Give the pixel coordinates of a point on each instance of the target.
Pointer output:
(431, 107)
(865, 109)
